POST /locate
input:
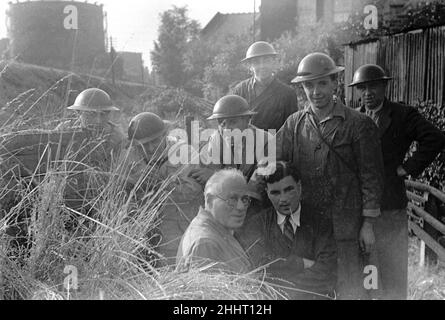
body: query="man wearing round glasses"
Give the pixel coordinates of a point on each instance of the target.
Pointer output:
(209, 239)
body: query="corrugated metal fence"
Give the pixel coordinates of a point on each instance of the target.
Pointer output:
(416, 61)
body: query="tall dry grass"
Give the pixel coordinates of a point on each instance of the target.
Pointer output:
(427, 282)
(109, 239)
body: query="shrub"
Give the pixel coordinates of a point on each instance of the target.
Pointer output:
(435, 173)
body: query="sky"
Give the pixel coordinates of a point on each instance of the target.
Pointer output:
(134, 23)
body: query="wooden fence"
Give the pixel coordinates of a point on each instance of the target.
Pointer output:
(416, 61)
(421, 222)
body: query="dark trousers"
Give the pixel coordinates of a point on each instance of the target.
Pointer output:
(391, 231)
(350, 271)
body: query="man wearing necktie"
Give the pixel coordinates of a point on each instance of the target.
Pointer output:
(294, 241)
(399, 126)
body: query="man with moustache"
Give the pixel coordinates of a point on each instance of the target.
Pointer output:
(399, 126)
(209, 240)
(272, 100)
(338, 154)
(295, 239)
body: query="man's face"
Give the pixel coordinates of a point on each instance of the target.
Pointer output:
(285, 195)
(241, 123)
(263, 67)
(320, 92)
(153, 149)
(94, 119)
(228, 207)
(372, 93)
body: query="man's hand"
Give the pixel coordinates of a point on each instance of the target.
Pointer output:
(401, 172)
(367, 237)
(308, 263)
(202, 175)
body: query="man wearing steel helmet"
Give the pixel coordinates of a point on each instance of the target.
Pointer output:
(271, 99)
(399, 126)
(94, 107)
(149, 162)
(339, 157)
(233, 116)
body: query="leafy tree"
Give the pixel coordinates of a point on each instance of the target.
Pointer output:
(176, 31)
(200, 54)
(226, 69)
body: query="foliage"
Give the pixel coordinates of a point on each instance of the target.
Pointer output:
(226, 69)
(199, 54)
(435, 173)
(424, 283)
(175, 32)
(109, 240)
(173, 103)
(425, 14)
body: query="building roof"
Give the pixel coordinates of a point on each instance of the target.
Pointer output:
(222, 25)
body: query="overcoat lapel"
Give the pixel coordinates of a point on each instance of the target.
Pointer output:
(267, 93)
(385, 118)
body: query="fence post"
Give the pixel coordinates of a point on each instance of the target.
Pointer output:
(422, 254)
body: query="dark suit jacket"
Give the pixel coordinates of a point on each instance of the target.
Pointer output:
(274, 105)
(400, 125)
(264, 242)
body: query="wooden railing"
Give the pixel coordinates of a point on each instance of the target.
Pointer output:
(419, 193)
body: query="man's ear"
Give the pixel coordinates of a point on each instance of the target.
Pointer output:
(300, 190)
(208, 201)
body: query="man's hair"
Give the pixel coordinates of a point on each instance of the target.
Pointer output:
(282, 170)
(215, 184)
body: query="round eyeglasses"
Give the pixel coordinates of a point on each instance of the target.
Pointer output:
(233, 200)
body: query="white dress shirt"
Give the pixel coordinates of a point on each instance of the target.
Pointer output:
(294, 219)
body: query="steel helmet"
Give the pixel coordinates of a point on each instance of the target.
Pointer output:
(231, 106)
(368, 73)
(146, 127)
(315, 66)
(259, 49)
(93, 99)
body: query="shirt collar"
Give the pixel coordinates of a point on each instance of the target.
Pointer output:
(380, 107)
(337, 111)
(256, 82)
(294, 219)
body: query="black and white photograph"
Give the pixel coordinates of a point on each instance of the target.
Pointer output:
(224, 156)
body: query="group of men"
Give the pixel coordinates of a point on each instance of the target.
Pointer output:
(333, 198)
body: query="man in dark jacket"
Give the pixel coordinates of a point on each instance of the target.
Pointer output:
(294, 239)
(271, 99)
(399, 126)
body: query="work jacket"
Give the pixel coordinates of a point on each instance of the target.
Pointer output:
(344, 180)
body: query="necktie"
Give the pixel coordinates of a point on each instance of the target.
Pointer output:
(375, 116)
(288, 231)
